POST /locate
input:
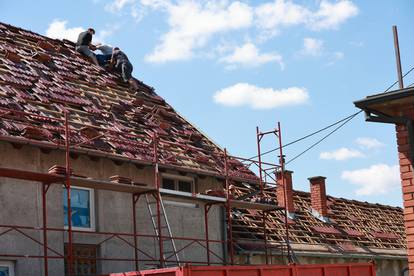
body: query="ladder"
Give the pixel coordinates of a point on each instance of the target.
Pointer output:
(169, 249)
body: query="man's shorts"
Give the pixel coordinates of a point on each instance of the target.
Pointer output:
(83, 49)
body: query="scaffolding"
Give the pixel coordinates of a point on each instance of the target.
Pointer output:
(64, 127)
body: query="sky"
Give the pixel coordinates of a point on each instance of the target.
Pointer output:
(229, 66)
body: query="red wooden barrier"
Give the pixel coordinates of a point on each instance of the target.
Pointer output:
(351, 269)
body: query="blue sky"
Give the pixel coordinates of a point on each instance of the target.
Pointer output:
(229, 66)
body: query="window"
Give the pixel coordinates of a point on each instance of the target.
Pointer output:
(168, 184)
(85, 259)
(178, 183)
(83, 211)
(184, 186)
(6, 268)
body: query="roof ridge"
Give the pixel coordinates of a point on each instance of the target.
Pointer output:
(64, 42)
(386, 206)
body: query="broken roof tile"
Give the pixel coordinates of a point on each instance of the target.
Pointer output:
(353, 224)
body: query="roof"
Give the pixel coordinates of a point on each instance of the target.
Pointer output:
(390, 103)
(40, 78)
(355, 227)
(44, 77)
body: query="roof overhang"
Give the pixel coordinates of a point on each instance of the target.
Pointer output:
(391, 107)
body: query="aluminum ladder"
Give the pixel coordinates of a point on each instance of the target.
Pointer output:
(169, 248)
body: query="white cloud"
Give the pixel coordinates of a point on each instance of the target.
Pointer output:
(272, 16)
(312, 47)
(137, 13)
(280, 13)
(244, 94)
(58, 30)
(117, 5)
(249, 55)
(155, 4)
(335, 57)
(134, 8)
(316, 48)
(341, 154)
(192, 25)
(368, 143)
(331, 15)
(377, 179)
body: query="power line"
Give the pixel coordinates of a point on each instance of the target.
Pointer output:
(323, 138)
(331, 125)
(392, 85)
(309, 135)
(333, 131)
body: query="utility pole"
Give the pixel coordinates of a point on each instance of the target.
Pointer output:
(398, 57)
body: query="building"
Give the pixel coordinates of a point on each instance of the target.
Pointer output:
(67, 125)
(112, 132)
(323, 229)
(396, 107)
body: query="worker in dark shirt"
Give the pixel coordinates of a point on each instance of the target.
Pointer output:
(122, 65)
(84, 45)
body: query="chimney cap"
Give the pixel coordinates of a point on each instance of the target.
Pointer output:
(313, 178)
(286, 171)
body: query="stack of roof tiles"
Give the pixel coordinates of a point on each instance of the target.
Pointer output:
(46, 77)
(353, 226)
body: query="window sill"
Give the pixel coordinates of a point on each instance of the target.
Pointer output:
(92, 229)
(180, 204)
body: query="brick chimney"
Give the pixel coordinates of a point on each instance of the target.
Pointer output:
(318, 195)
(289, 191)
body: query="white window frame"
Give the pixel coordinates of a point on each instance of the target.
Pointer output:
(9, 265)
(177, 178)
(92, 210)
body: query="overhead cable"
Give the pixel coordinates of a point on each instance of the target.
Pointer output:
(392, 85)
(340, 126)
(323, 138)
(309, 135)
(333, 124)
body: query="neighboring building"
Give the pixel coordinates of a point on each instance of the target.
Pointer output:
(112, 156)
(323, 229)
(396, 107)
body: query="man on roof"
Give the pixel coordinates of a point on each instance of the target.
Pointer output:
(84, 45)
(122, 65)
(105, 57)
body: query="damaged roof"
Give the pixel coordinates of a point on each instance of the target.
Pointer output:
(41, 78)
(354, 227)
(44, 77)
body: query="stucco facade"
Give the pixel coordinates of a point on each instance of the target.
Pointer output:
(21, 201)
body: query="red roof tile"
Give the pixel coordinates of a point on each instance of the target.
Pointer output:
(45, 77)
(352, 223)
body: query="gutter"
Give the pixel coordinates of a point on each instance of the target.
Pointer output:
(332, 255)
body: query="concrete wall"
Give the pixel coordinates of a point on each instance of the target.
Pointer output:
(384, 267)
(20, 204)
